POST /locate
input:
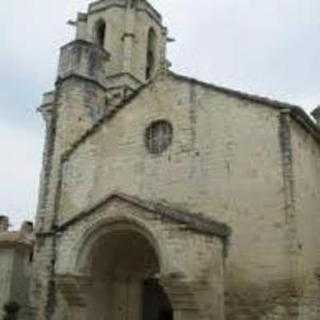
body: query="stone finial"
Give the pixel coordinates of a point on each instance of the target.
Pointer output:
(27, 227)
(82, 27)
(48, 98)
(4, 223)
(316, 114)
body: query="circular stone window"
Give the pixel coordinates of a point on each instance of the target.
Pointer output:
(158, 136)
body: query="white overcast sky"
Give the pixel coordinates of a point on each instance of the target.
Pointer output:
(270, 48)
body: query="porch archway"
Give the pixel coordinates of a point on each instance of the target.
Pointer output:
(124, 268)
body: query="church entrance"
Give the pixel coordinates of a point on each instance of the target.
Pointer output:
(124, 268)
(156, 305)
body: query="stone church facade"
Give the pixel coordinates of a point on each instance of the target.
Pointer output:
(163, 197)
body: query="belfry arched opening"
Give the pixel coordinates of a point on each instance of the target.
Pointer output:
(124, 269)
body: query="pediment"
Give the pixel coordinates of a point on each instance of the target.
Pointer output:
(195, 222)
(297, 112)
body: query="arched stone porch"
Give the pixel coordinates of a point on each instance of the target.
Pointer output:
(105, 261)
(114, 270)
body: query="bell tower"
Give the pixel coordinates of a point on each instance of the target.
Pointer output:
(119, 46)
(133, 33)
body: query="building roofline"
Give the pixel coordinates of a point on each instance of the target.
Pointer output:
(155, 14)
(295, 111)
(153, 9)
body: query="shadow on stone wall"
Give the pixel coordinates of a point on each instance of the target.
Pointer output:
(11, 311)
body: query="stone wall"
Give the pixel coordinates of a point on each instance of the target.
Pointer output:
(225, 162)
(6, 266)
(230, 160)
(234, 159)
(77, 104)
(16, 251)
(191, 261)
(133, 23)
(306, 175)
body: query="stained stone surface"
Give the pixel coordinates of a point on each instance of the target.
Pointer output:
(217, 207)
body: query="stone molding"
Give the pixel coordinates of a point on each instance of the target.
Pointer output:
(80, 77)
(316, 114)
(196, 222)
(16, 239)
(86, 43)
(82, 59)
(108, 116)
(184, 288)
(11, 240)
(287, 165)
(119, 75)
(181, 294)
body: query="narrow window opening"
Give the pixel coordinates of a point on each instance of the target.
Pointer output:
(158, 136)
(100, 33)
(31, 257)
(151, 48)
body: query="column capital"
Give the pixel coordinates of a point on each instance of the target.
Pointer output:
(181, 293)
(74, 288)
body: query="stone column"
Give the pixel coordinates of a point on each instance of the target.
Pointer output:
(128, 37)
(135, 303)
(82, 27)
(182, 299)
(183, 309)
(74, 289)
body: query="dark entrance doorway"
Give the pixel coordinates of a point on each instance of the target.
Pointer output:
(119, 261)
(156, 305)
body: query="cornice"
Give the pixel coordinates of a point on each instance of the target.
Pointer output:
(195, 222)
